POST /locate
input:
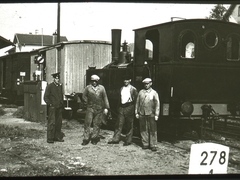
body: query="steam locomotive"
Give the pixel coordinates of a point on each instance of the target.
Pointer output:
(194, 65)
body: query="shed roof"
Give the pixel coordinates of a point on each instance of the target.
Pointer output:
(73, 42)
(4, 42)
(36, 39)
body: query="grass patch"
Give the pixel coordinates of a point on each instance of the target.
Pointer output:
(9, 106)
(12, 132)
(19, 113)
(2, 112)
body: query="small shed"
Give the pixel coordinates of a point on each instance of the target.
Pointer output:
(35, 109)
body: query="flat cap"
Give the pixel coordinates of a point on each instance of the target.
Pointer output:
(147, 80)
(56, 75)
(95, 77)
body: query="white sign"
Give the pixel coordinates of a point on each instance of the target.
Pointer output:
(37, 72)
(208, 158)
(22, 73)
(44, 86)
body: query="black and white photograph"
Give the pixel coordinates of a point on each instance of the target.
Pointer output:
(122, 89)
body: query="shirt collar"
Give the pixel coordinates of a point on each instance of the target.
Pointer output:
(95, 88)
(56, 84)
(128, 86)
(148, 91)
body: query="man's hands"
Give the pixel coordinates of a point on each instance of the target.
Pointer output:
(105, 111)
(137, 116)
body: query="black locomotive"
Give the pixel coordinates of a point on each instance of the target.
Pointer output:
(194, 65)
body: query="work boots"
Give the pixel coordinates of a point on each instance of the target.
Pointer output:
(94, 141)
(85, 142)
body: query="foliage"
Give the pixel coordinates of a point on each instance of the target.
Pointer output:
(217, 12)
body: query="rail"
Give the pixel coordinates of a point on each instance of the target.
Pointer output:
(229, 125)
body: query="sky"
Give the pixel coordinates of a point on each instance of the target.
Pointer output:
(91, 20)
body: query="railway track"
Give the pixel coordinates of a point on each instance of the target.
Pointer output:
(221, 131)
(227, 126)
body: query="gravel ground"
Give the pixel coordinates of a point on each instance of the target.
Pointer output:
(25, 152)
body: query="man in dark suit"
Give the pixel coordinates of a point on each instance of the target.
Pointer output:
(53, 97)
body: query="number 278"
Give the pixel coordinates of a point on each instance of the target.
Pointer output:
(222, 158)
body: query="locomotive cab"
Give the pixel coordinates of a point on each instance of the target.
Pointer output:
(194, 63)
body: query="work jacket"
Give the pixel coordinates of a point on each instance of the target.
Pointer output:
(147, 103)
(95, 98)
(53, 95)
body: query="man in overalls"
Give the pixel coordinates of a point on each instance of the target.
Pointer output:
(95, 97)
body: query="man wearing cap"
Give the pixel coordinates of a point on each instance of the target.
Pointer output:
(95, 97)
(127, 99)
(53, 97)
(147, 111)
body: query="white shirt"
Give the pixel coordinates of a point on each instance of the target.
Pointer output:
(126, 95)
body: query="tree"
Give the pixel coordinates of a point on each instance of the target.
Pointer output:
(217, 12)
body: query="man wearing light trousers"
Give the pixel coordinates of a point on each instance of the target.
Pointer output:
(147, 111)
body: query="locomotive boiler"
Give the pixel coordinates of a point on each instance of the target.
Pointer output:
(194, 65)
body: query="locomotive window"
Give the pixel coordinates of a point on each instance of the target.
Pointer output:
(233, 48)
(148, 50)
(189, 50)
(152, 45)
(238, 11)
(187, 45)
(211, 39)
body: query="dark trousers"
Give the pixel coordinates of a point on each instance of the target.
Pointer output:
(125, 116)
(95, 117)
(54, 124)
(148, 131)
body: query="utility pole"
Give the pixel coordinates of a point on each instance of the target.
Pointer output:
(58, 24)
(58, 59)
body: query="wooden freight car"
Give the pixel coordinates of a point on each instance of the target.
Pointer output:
(71, 59)
(14, 69)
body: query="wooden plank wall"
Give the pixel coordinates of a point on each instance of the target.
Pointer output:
(16, 63)
(1, 72)
(51, 56)
(77, 59)
(33, 109)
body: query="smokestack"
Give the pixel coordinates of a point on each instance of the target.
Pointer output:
(116, 44)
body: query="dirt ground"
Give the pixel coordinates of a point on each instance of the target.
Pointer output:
(25, 152)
